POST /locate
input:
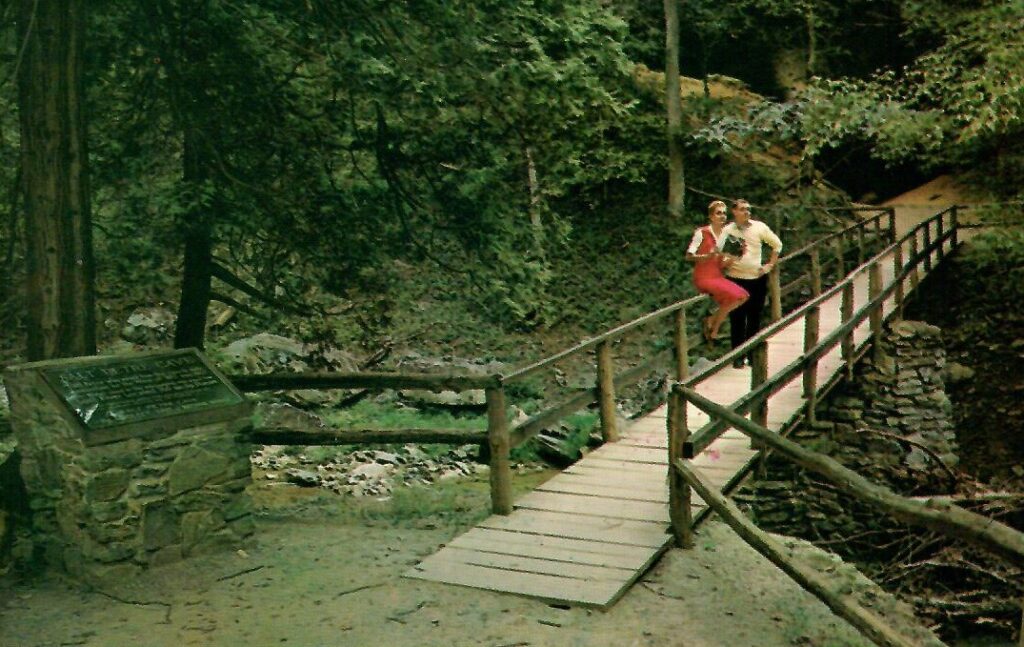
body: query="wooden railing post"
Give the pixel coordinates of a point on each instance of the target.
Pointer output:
(954, 218)
(606, 391)
(775, 293)
(1021, 636)
(892, 224)
(897, 266)
(498, 443)
(846, 312)
(758, 376)
(875, 316)
(815, 272)
(878, 229)
(940, 253)
(840, 257)
(861, 252)
(812, 328)
(682, 343)
(928, 246)
(915, 276)
(679, 510)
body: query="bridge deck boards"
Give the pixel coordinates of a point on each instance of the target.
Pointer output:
(588, 533)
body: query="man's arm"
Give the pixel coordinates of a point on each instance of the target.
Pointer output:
(775, 244)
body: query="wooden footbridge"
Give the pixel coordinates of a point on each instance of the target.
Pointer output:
(588, 533)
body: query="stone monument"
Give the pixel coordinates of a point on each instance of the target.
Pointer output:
(131, 461)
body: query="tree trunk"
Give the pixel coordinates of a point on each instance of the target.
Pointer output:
(190, 329)
(61, 317)
(812, 40)
(534, 188)
(674, 107)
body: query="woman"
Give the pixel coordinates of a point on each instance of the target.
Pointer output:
(707, 275)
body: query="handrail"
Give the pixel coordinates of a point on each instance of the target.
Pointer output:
(605, 394)
(772, 328)
(947, 518)
(605, 336)
(363, 380)
(661, 312)
(935, 514)
(706, 435)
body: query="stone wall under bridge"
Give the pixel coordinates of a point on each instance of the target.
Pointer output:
(892, 424)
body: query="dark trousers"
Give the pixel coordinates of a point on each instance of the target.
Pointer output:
(745, 320)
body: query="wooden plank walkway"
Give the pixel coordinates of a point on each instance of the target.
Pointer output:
(588, 533)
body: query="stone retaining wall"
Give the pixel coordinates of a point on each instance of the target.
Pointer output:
(899, 394)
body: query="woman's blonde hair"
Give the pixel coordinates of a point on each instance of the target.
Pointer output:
(713, 205)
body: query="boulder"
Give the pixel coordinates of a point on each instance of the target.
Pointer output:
(302, 478)
(152, 325)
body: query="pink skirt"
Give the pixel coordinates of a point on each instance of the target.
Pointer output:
(721, 289)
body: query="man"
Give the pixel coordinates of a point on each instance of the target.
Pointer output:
(748, 272)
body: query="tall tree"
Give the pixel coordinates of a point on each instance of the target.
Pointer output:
(55, 180)
(674, 107)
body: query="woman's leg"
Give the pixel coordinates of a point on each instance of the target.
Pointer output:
(718, 317)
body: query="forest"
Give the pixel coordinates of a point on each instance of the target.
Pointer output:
(389, 184)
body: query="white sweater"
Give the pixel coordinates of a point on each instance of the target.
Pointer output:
(755, 236)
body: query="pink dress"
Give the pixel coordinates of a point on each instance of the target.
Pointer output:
(707, 275)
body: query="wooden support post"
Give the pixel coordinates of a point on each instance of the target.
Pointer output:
(892, 224)
(775, 293)
(815, 272)
(928, 246)
(940, 253)
(682, 343)
(497, 440)
(812, 328)
(897, 266)
(758, 376)
(606, 391)
(840, 257)
(680, 511)
(846, 312)
(1021, 633)
(954, 218)
(875, 316)
(861, 251)
(878, 230)
(915, 276)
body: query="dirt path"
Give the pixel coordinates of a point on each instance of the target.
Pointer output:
(327, 572)
(928, 199)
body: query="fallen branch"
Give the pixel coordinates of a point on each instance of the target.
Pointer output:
(357, 589)
(239, 573)
(138, 603)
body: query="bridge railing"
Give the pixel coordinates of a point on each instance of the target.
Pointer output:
(935, 514)
(499, 437)
(683, 444)
(881, 226)
(763, 387)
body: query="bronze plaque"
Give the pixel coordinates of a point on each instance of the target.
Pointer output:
(124, 390)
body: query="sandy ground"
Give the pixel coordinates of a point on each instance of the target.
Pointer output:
(327, 572)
